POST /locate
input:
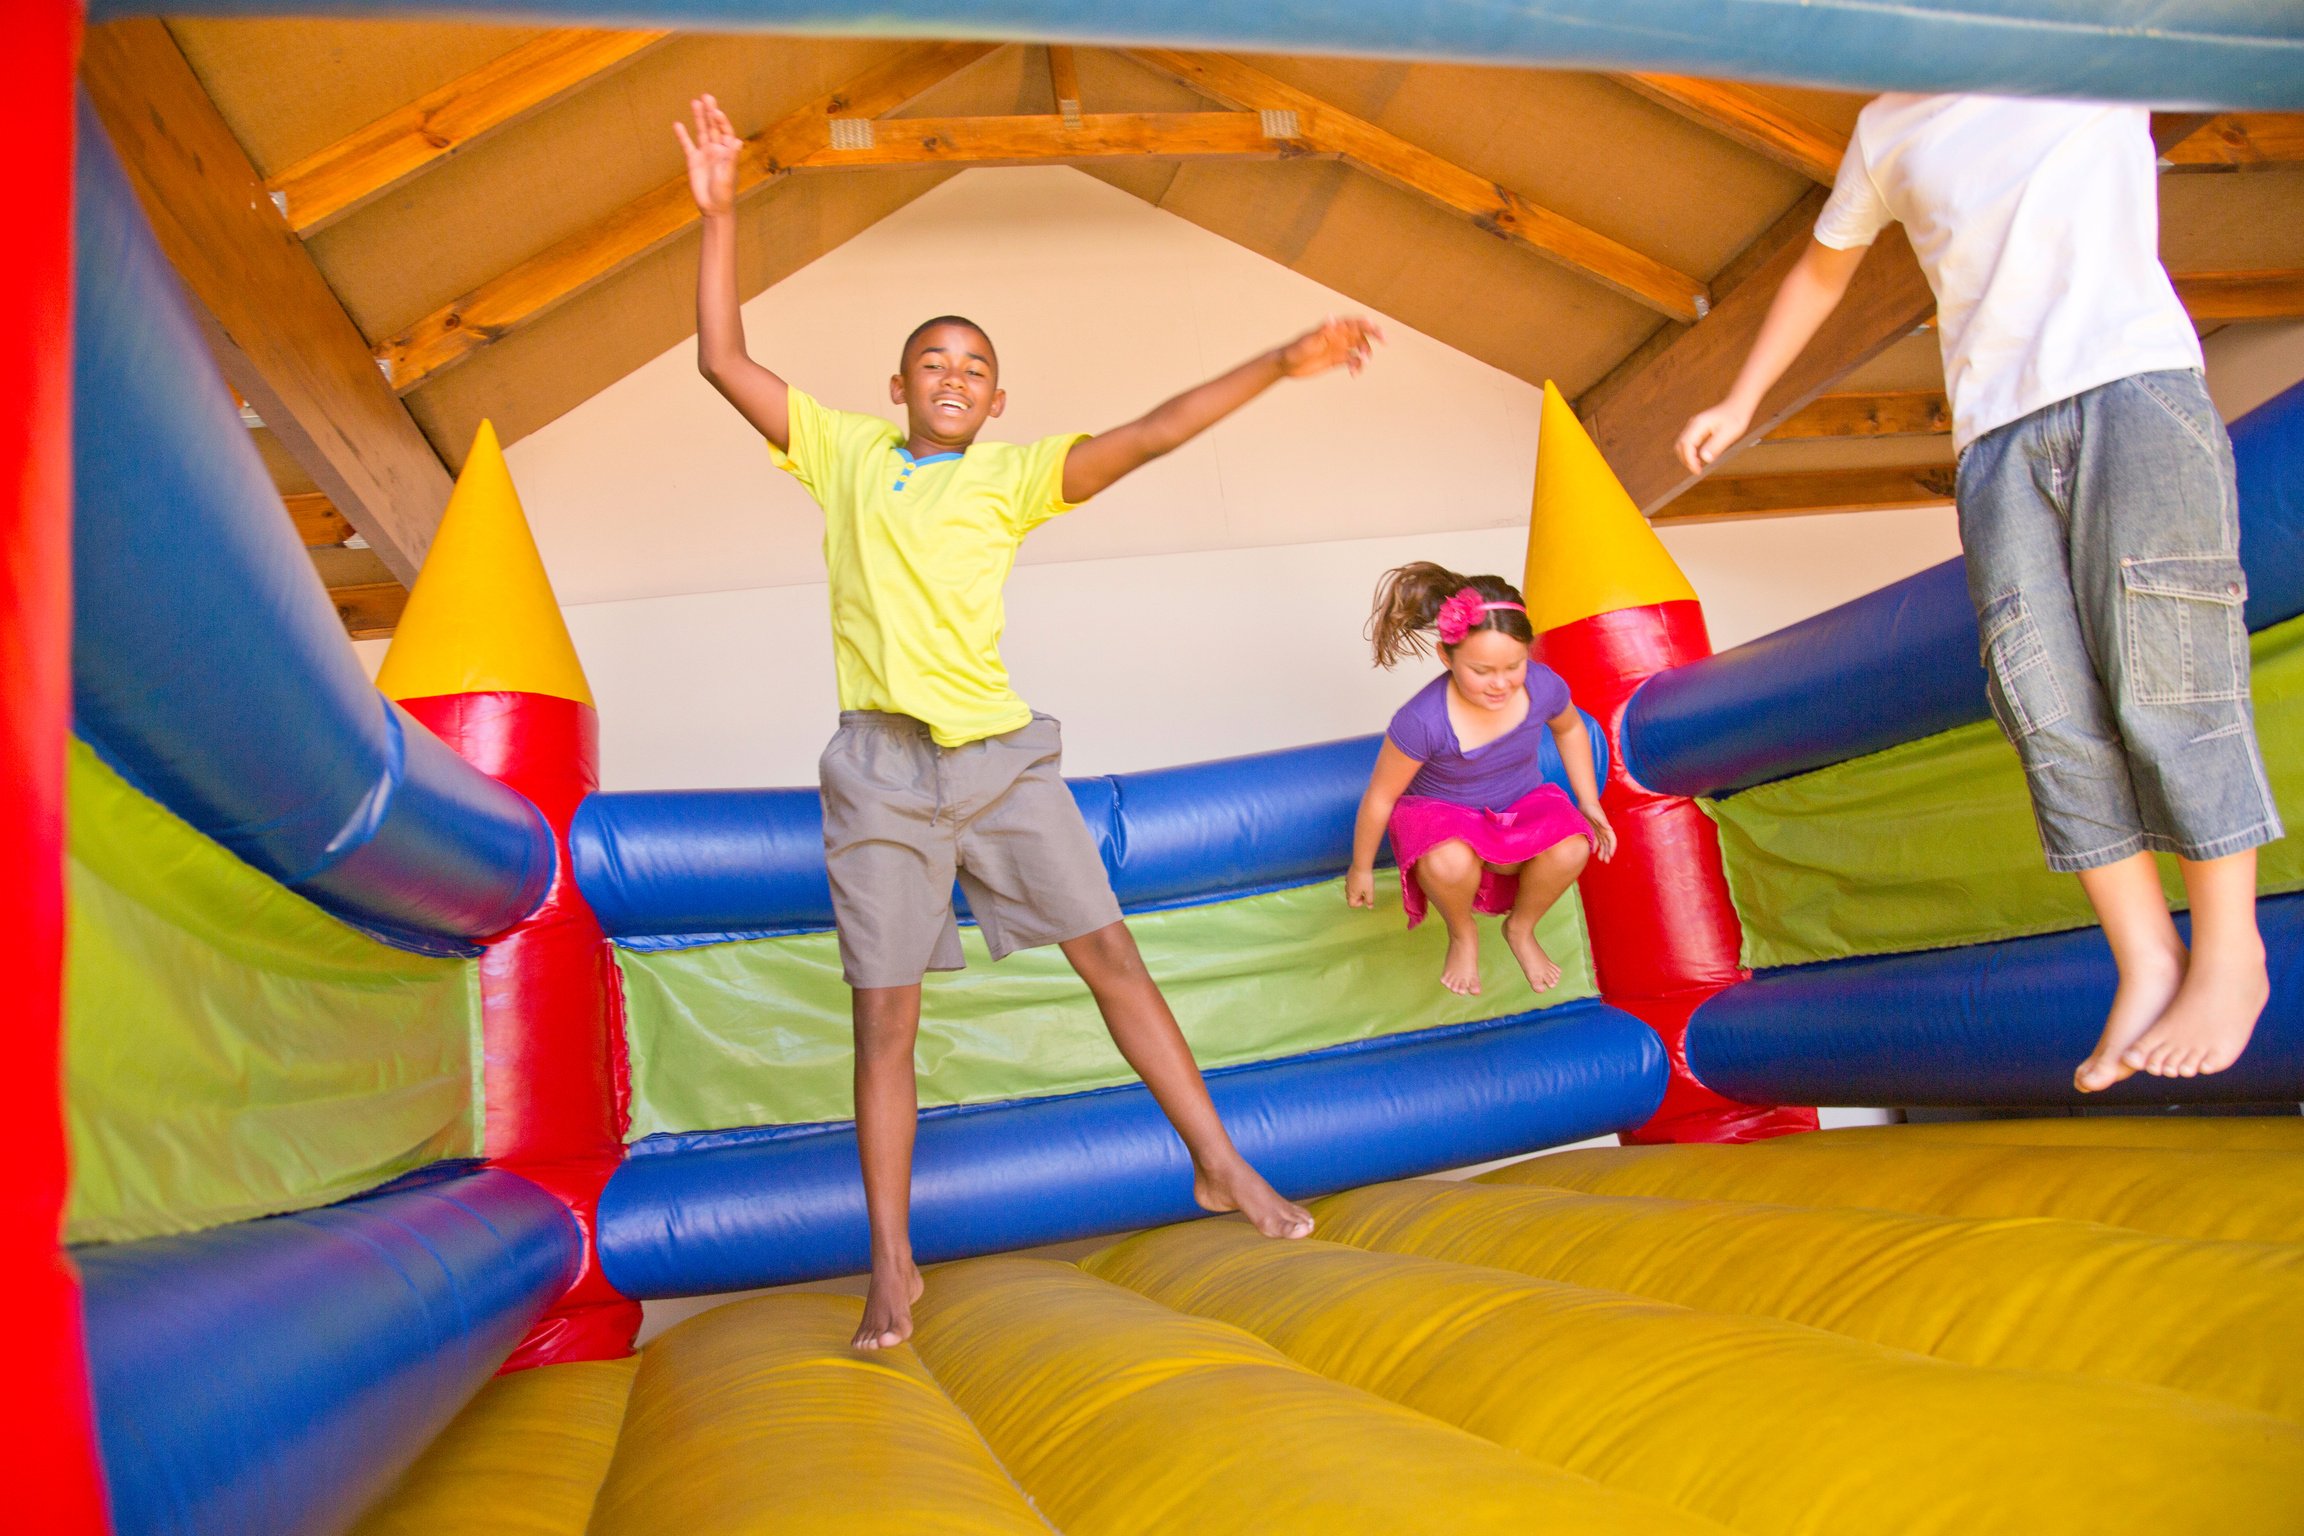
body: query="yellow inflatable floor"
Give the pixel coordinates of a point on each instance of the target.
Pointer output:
(2032, 1327)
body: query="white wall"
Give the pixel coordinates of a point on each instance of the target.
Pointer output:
(1209, 605)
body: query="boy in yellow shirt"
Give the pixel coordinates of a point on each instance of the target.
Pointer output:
(938, 769)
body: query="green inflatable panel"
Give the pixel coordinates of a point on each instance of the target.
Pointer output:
(232, 1051)
(757, 1032)
(1932, 843)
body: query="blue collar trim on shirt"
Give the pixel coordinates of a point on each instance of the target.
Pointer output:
(905, 454)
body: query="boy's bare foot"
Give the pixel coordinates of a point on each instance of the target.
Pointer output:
(2147, 987)
(1460, 972)
(896, 1284)
(1542, 971)
(2207, 1027)
(1241, 1188)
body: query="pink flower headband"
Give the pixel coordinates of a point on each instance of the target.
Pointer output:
(1461, 614)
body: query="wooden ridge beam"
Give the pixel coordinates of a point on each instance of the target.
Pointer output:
(1064, 81)
(1888, 413)
(1498, 210)
(1729, 498)
(2218, 297)
(278, 331)
(1024, 140)
(1739, 113)
(535, 287)
(370, 609)
(330, 183)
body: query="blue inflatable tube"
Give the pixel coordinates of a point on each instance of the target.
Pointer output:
(669, 869)
(1984, 1024)
(1901, 663)
(2232, 53)
(276, 1376)
(208, 664)
(727, 1211)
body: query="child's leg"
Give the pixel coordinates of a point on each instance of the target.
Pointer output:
(1450, 874)
(2150, 956)
(1542, 881)
(2156, 567)
(1145, 1030)
(887, 1115)
(2227, 986)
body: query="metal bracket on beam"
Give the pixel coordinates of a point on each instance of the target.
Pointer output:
(1279, 123)
(852, 133)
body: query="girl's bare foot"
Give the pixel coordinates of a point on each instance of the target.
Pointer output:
(1238, 1187)
(1460, 972)
(2207, 1027)
(888, 1302)
(2148, 984)
(1542, 971)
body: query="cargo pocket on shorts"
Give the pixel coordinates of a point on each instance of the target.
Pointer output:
(2023, 688)
(2186, 639)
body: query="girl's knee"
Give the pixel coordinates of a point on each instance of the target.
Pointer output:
(1570, 853)
(1451, 861)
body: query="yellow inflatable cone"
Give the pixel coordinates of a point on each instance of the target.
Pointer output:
(1589, 549)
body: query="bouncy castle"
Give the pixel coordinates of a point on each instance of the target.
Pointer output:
(382, 1065)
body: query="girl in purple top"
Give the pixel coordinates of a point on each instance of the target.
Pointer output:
(1458, 781)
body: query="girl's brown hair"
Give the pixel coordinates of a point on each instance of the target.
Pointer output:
(1408, 599)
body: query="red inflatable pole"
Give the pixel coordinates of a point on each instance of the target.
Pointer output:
(50, 1468)
(483, 660)
(1611, 610)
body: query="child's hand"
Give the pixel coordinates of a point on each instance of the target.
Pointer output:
(1711, 433)
(1604, 835)
(1337, 343)
(1360, 888)
(711, 152)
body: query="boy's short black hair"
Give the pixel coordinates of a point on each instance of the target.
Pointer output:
(924, 327)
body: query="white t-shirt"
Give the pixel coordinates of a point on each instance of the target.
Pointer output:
(2038, 224)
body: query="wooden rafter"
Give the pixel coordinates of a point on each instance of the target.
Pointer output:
(369, 609)
(2217, 297)
(329, 183)
(1026, 140)
(1498, 210)
(1740, 113)
(1064, 80)
(317, 521)
(280, 334)
(1727, 498)
(549, 279)
(1891, 413)
(2238, 140)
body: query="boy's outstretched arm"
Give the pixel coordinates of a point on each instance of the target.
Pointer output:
(1097, 462)
(712, 150)
(1808, 294)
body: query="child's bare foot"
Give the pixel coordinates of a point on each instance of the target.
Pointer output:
(1238, 1187)
(896, 1284)
(1542, 971)
(2147, 987)
(1460, 972)
(2207, 1027)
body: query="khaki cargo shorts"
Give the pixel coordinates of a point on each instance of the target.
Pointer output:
(903, 817)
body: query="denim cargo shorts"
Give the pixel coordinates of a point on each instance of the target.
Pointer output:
(2103, 542)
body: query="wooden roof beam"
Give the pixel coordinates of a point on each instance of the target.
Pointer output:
(1498, 210)
(1731, 498)
(1890, 413)
(330, 183)
(2240, 141)
(504, 304)
(1064, 80)
(279, 333)
(317, 521)
(2214, 298)
(1742, 114)
(1034, 139)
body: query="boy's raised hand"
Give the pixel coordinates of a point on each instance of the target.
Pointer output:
(711, 150)
(1338, 343)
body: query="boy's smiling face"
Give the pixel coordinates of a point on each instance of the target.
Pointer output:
(949, 387)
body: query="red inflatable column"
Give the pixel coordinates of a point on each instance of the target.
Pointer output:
(50, 1467)
(482, 658)
(1611, 609)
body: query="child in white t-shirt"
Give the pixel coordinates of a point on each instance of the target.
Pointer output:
(2098, 510)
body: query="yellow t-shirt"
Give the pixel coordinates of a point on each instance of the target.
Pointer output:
(918, 552)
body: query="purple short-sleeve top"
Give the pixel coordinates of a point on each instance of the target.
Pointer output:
(1489, 777)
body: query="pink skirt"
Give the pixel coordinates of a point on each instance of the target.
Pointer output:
(1536, 821)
